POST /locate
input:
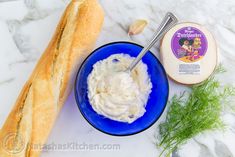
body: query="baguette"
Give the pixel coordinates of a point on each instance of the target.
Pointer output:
(42, 97)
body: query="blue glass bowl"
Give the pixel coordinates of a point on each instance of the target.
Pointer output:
(157, 99)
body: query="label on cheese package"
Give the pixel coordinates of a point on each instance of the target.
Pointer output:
(189, 45)
(189, 53)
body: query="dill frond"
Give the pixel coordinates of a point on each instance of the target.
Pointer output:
(194, 112)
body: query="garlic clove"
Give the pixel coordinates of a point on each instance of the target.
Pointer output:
(137, 27)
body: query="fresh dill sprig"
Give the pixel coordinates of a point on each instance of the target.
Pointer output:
(193, 112)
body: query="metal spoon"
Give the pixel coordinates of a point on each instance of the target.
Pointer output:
(168, 22)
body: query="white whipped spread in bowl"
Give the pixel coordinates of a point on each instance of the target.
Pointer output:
(116, 94)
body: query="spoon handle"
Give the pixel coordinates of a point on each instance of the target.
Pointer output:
(168, 22)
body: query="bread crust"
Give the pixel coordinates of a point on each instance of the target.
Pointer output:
(43, 95)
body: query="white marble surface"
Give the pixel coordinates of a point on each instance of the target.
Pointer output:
(26, 27)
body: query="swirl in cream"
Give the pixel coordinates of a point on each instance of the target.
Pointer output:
(116, 94)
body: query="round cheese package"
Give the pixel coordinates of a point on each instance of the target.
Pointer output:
(189, 53)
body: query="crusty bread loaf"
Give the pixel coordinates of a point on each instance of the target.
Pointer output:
(31, 119)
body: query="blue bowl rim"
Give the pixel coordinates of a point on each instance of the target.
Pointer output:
(76, 97)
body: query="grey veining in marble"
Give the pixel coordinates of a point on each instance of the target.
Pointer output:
(26, 27)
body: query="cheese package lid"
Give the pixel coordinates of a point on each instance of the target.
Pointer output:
(189, 53)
